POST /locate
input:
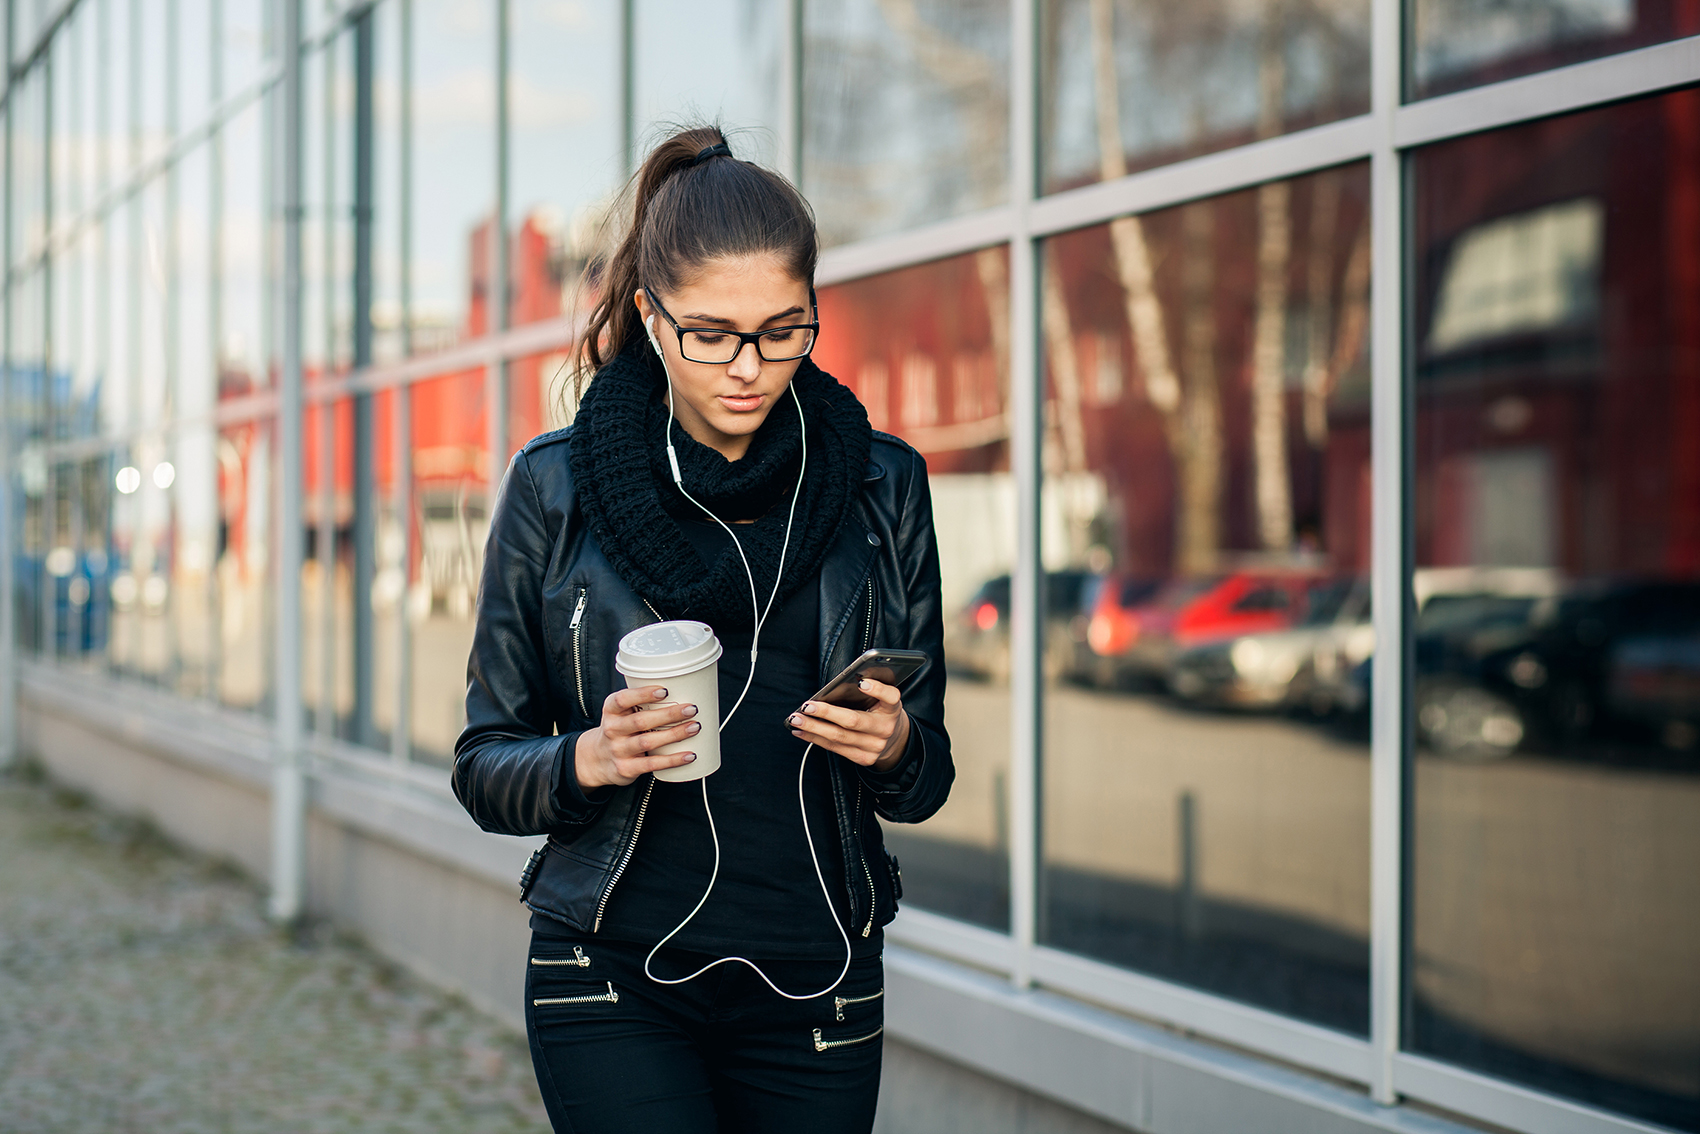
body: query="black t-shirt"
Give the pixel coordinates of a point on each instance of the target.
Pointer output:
(767, 901)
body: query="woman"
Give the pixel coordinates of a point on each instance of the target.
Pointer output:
(761, 1010)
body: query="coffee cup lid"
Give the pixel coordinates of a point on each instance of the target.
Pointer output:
(667, 649)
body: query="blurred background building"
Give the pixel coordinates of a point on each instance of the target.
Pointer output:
(1311, 393)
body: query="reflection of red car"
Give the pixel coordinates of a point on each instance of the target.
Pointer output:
(1143, 638)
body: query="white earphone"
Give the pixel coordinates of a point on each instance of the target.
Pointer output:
(761, 614)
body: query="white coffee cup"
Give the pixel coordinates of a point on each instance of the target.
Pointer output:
(681, 656)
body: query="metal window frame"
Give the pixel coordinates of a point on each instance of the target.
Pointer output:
(1384, 137)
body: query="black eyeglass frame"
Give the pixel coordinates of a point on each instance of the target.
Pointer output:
(742, 336)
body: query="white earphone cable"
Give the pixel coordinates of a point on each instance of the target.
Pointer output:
(760, 614)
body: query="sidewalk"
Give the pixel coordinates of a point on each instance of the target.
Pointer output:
(141, 990)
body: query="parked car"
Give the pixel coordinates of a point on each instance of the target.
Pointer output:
(1143, 640)
(1304, 666)
(1617, 659)
(976, 641)
(1469, 622)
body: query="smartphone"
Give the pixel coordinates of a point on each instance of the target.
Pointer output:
(892, 667)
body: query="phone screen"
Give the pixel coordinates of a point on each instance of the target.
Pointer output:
(889, 667)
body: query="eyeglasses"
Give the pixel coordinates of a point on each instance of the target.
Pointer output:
(717, 346)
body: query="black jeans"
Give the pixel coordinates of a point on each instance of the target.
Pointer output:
(617, 1053)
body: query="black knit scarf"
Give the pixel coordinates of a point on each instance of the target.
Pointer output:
(619, 463)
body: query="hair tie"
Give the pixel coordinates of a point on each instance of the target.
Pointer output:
(719, 149)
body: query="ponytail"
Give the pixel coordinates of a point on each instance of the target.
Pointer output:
(693, 203)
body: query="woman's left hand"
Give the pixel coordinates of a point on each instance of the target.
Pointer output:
(874, 739)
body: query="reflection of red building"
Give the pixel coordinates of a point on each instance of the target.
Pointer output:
(450, 437)
(1558, 376)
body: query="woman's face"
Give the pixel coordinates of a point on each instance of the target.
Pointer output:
(723, 405)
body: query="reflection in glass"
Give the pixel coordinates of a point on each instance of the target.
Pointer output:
(1557, 641)
(721, 63)
(1464, 43)
(449, 524)
(905, 112)
(1131, 84)
(453, 104)
(1206, 531)
(926, 350)
(566, 157)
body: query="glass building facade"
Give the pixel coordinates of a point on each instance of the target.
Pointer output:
(1310, 393)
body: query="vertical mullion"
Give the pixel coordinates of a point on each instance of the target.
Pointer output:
(325, 720)
(1025, 596)
(173, 384)
(628, 85)
(288, 861)
(401, 734)
(47, 592)
(1388, 555)
(791, 92)
(365, 476)
(496, 261)
(214, 605)
(8, 636)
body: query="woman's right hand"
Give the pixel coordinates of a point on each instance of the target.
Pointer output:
(618, 751)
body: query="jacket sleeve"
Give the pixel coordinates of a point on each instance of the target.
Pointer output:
(920, 783)
(512, 773)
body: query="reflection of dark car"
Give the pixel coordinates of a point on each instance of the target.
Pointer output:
(977, 638)
(1619, 660)
(1622, 660)
(1303, 666)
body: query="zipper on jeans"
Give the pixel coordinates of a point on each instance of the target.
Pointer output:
(578, 664)
(625, 859)
(840, 1002)
(578, 959)
(609, 997)
(828, 1045)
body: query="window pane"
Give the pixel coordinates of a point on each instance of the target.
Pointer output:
(1130, 84)
(1206, 537)
(1464, 43)
(450, 520)
(244, 593)
(566, 159)
(1557, 640)
(454, 165)
(719, 63)
(906, 112)
(926, 349)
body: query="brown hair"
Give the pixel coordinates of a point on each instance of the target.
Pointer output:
(685, 214)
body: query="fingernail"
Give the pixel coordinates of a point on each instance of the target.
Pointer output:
(690, 710)
(795, 720)
(693, 728)
(808, 706)
(864, 684)
(660, 694)
(690, 756)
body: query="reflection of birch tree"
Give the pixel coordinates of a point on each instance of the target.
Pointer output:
(1192, 414)
(1273, 491)
(972, 81)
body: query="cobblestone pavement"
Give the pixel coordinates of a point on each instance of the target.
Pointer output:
(141, 990)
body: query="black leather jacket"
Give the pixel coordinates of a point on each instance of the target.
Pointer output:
(551, 612)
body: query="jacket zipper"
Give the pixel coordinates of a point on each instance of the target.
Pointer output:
(643, 806)
(578, 665)
(609, 997)
(839, 1002)
(828, 1045)
(578, 959)
(873, 899)
(625, 859)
